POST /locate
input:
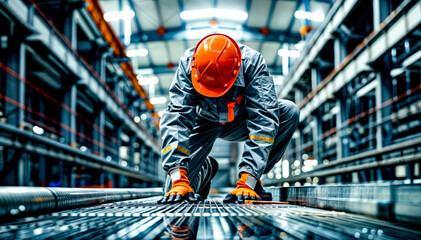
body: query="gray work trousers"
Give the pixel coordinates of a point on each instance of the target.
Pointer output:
(205, 133)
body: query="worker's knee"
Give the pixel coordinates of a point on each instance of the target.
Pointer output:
(289, 111)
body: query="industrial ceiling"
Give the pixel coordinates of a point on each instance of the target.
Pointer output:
(157, 32)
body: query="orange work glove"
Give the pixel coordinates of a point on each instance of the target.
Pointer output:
(180, 189)
(244, 190)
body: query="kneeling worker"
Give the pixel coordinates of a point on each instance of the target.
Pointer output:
(222, 90)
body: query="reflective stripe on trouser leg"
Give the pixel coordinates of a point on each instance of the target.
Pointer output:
(288, 122)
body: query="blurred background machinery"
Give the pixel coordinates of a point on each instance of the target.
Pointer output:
(83, 84)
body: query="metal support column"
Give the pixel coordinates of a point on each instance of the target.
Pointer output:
(98, 136)
(22, 171)
(151, 161)
(103, 65)
(298, 96)
(16, 89)
(22, 87)
(298, 152)
(285, 61)
(142, 157)
(42, 171)
(376, 14)
(132, 150)
(61, 172)
(339, 51)
(70, 27)
(338, 130)
(117, 135)
(71, 174)
(69, 118)
(344, 113)
(316, 138)
(314, 78)
(381, 9)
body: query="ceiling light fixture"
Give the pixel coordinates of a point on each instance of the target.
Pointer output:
(137, 52)
(121, 15)
(38, 130)
(158, 100)
(214, 13)
(147, 80)
(317, 17)
(288, 53)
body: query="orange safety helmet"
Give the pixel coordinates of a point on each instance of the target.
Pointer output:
(215, 65)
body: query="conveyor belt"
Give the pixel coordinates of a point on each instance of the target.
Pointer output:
(143, 219)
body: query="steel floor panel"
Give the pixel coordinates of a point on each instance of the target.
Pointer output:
(143, 219)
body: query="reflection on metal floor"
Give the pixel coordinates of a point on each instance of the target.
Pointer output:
(143, 219)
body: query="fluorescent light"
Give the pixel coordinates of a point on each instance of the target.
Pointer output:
(288, 53)
(334, 110)
(158, 100)
(83, 149)
(38, 130)
(136, 119)
(285, 168)
(310, 163)
(214, 13)
(317, 17)
(121, 15)
(396, 72)
(143, 116)
(147, 80)
(137, 52)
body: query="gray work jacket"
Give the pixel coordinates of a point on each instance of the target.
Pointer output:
(259, 100)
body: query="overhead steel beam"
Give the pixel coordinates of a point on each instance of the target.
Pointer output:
(136, 16)
(292, 21)
(167, 49)
(245, 34)
(268, 20)
(248, 7)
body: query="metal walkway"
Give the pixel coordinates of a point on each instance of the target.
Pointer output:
(143, 219)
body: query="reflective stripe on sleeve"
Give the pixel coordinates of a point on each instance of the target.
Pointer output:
(261, 138)
(175, 146)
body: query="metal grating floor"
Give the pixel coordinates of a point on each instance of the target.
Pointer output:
(143, 219)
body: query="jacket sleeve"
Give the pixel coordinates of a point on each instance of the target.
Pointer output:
(263, 116)
(178, 120)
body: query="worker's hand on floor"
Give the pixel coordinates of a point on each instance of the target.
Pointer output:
(244, 190)
(180, 189)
